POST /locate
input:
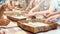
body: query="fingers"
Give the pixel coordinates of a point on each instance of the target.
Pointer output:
(30, 15)
(46, 14)
(2, 32)
(52, 18)
(4, 7)
(49, 19)
(49, 15)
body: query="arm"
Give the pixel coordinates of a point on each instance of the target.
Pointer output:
(3, 21)
(2, 10)
(53, 18)
(13, 5)
(54, 13)
(34, 9)
(58, 12)
(30, 5)
(50, 10)
(46, 12)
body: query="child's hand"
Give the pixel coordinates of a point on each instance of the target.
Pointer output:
(51, 14)
(3, 8)
(52, 18)
(48, 13)
(30, 14)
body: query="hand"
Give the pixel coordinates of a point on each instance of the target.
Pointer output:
(10, 6)
(51, 14)
(27, 9)
(4, 7)
(2, 32)
(52, 18)
(30, 14)
(48, 13)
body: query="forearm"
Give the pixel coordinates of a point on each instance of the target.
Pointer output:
(42, 12)
(2, 11)
(58, 12)
(51, 9)
(30, 5)
(59, 15)
(11, 13)
(35, 8)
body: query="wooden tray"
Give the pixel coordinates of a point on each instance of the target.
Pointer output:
(16, 18)
(51, 26)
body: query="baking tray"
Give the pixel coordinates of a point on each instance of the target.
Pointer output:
(33, 29)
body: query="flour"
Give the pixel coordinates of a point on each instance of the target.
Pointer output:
(19, 16)
(35, 24)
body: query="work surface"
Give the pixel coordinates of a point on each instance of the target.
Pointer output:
(16, 29)
(12, 28)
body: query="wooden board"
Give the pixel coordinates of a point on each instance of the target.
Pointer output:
(16, 18)
(51, 26)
